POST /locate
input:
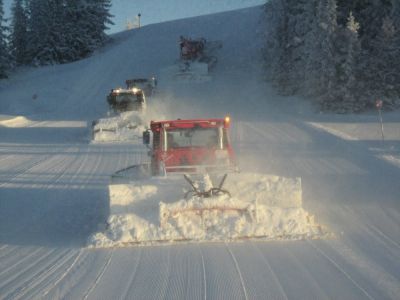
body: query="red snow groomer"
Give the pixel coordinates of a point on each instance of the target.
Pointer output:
(191, 49)
(192, 147)
(197, 57)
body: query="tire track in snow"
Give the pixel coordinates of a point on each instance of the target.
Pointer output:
(186, 276)
(7, 250)
(148, 284)
(162, 282)
(383, 236)
(387, 263)
(238, 271)
(24, 261)
(21, 261)
(265, 260)
(26, 169)
(52, 160)
(337, 266)
(46, 292)
(384, 281)
(56, 178)
(43, 262)
(68, 287)
(103, 270)
(291, 270)
(124, 295)
(223, 281)
(6, 157)
(29, 164)
(204, 273)
(47, 273)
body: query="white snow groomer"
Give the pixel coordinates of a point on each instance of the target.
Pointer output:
(130, 99)
(190, 190)
(147, 85)
(197, 58)
(125, 121)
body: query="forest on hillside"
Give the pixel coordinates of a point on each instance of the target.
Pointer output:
(343, 54)
(42, 32)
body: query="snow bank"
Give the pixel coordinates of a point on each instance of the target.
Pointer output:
(152, 211)
(14, 121)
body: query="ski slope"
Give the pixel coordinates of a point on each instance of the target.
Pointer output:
(54, 182)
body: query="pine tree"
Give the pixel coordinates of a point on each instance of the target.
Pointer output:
(276, 40)
(43, 33)
(19, 33)
(347, 54)
(395, 16)
(4, 51)
(383, 72)
(68, 30)
(321, 63)
(301, 18)
(96, 20)
(320, 50)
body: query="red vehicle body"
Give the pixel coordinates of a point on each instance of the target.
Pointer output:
(191, 49)
(191, 146)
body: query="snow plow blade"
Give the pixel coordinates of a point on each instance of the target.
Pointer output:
(132, 173)
(127, 126)
(153, 211)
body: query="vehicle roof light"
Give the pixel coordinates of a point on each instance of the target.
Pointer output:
(227, 119)
(166, 125)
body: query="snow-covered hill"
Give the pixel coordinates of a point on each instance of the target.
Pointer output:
(54, 183)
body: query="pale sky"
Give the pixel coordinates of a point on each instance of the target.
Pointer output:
(155, 11)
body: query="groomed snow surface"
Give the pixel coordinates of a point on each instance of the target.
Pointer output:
(55, 195)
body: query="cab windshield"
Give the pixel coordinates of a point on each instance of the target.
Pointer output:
(192, 137)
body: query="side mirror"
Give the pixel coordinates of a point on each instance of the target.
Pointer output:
(146, 137)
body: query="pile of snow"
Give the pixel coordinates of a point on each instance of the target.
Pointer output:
(14, 121)
(153, 211)
(127, 126)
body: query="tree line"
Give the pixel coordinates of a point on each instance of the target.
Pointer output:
(344, 54)
(42, 32)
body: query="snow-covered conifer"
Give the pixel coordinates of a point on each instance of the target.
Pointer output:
(43, 34)
(19, 34)
(64, 31)
(321, 69)
(383, 72)
(276, 40)
(347, 51)
(301, 18)
(4, 51)
(345, 56)
(97, 18)
(395, 16)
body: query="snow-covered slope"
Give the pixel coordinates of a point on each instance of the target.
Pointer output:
(54, 184)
